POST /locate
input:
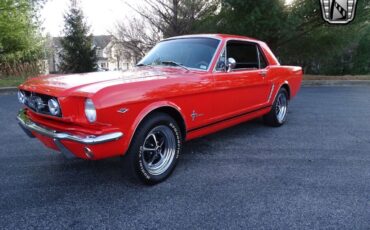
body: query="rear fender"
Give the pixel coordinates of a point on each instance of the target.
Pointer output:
(277, 87)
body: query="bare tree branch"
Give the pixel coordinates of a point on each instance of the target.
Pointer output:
(159, 19)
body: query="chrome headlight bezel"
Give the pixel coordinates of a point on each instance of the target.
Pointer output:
(22, 98)
(90, 110)
(54, 107)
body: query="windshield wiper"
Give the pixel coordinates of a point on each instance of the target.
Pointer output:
(173, 63)
(139, 65)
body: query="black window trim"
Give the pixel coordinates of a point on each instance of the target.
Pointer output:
(260, 55)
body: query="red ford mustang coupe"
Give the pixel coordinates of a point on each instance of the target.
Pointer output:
(186, 87)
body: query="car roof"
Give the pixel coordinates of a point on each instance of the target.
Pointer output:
(215, 36)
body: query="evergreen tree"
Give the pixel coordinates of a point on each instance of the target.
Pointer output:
(297, 33)
(79, 55)
(361, 59)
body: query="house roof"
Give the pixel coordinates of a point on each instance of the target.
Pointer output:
(102, 41)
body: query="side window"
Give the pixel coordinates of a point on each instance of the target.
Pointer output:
(247, 55)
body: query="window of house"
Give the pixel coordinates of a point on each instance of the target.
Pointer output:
(99, 52)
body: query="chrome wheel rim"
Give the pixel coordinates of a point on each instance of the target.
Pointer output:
(281, 107)
(159, 150)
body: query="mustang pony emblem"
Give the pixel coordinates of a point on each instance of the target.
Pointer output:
(194, 115)
(338, 11)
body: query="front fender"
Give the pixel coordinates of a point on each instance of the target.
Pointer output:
(146, 111)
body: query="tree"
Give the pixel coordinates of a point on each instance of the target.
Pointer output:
(21, 45)
(316, 45)
(262, 19)
(297, 33)
(175, 17)
(161, 19)
(78, 55)
(137, 36)
(361, 57)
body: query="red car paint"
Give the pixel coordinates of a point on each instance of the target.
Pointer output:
(218, 99)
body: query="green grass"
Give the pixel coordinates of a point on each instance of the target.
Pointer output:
(11, 81)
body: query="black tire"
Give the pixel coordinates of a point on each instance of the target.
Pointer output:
(140, 163)
(273, 118)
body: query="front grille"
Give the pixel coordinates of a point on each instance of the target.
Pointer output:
(38, 102)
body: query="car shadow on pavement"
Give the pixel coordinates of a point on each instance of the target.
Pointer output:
(206, 144)
(111, 171)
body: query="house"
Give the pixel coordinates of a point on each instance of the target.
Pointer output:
(111, 55)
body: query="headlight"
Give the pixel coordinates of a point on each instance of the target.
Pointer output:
(22, 97)
(54, 107)
(90, 110)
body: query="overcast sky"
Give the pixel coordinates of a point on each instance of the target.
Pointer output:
(101, 15)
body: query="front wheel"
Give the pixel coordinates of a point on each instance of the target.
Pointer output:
(279, 111)
(155, 149)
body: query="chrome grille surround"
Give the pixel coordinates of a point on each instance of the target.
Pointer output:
(39, 103)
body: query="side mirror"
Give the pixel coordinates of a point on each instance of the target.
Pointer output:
(231, 64)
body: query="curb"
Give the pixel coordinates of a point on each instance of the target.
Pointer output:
(336, 83)
(8, 89)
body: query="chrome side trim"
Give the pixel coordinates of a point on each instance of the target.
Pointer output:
(279, 87)
(88, 140)
(272, 90)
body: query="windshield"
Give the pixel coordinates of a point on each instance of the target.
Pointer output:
(194, 53)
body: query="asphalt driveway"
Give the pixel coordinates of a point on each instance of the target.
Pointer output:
(312, 173)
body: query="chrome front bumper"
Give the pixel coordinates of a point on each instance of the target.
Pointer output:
(30, 126)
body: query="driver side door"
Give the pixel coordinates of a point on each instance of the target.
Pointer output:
(246, 87)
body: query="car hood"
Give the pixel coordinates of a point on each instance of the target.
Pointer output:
(64, 85)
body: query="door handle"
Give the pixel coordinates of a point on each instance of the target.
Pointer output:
(263, 73)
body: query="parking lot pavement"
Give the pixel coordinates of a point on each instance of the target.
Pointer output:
(312, 173)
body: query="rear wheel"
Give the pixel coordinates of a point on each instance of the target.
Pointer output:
(279, 111)
(155, 149)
